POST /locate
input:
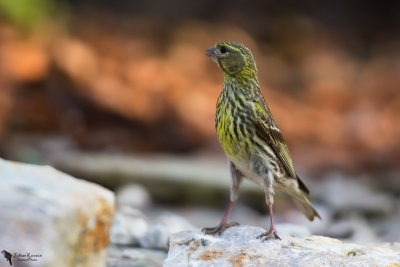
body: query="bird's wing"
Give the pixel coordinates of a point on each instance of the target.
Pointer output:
(270, 133)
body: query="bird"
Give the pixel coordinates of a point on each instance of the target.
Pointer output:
(7, 255)
(251, 139)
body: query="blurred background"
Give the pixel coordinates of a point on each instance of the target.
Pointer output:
(120, 92)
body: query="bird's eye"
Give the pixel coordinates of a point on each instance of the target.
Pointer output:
(223, 49)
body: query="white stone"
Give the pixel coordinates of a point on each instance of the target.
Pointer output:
(158, 234)
(49, 213)
(130, 225)
(291, 229)
(348, 195)
(122, 256)
(238, 246)
(133, 195)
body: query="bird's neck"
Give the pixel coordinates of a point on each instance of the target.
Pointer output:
(242, 85)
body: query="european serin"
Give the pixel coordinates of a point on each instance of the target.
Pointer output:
(250, 138)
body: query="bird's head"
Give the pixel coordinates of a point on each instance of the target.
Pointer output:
(233, 58)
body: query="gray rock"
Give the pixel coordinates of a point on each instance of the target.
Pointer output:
(158, 234)
(130, 225)
(354, 228)
(120, 256)
(238, 246)
(60, 219)
(389, 229)
(291, 229)
(346, 195)
(133, 195)
(316, 227)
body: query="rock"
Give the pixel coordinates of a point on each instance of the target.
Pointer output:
(133, 195)
(61, 220)
(291, 229)
(389, 229)
(238, 246)
(119, 256)
(316, 227)
(346, 195)
(158, 234)
(130, 225)
(354, 228)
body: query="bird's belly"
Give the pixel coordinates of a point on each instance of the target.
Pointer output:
(229, 145)
(247, 170)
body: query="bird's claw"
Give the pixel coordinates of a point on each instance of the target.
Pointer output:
(218, 229)
(271, 234)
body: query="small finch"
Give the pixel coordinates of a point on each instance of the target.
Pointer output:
(250, 137)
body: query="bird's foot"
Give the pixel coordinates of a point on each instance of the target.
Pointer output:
(218, 229)
(271, 234)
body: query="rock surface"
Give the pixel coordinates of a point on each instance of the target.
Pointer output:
(59, 219)
(238, 246)
(133, 195)
(159, 232)
(124, 256)
(355, 195)
(130, 225)
(150, 238)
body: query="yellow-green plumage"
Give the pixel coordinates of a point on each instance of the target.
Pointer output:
(248, 134)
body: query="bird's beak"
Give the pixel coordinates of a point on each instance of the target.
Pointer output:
(211, 52)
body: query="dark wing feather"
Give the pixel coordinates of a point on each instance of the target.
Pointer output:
(268, 130)
(302, 186)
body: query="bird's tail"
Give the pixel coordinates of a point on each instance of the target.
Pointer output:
(305, 205)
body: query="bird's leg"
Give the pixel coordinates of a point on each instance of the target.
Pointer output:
(223, 225)
(269, 196)
(271, 233)
(235, 185)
